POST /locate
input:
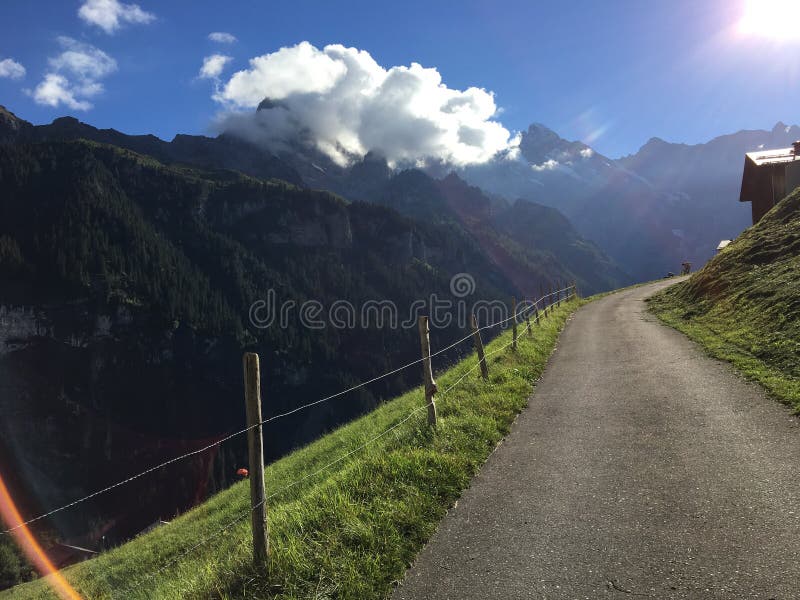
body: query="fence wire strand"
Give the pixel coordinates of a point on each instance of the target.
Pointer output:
(532, 306)
(242, 516)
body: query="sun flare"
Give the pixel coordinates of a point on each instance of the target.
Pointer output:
(9, 514)
(777, 20)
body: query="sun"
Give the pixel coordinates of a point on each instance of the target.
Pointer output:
(778, 20)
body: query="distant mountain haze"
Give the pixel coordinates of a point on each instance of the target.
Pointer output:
(702, 182)
(649, 211)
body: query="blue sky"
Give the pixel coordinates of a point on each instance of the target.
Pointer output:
(610, 73)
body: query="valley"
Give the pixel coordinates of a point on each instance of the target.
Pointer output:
(131, 266)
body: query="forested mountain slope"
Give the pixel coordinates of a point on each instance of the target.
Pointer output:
(126, 299)
(411, 192)
(128, 282)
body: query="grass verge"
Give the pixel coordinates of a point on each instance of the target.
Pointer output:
(732, 339)
(348, 530)
(744, 305)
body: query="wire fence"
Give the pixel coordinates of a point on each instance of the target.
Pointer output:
(539, 307)
(533, 306)
(542, 304)
(570, 293)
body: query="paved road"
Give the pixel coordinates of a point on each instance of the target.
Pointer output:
(641, 468)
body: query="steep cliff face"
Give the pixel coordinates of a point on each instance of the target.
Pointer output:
(531, 244)
(18, 324)
(535, 226)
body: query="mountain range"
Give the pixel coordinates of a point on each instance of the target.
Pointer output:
(649, 211)
(129, 266)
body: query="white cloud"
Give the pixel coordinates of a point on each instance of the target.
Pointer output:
(74, 75)
(547, 165)
(213, 66)
(222, 37)
(587, 153)
(348, 104)
(11, 69)
(301, 69)
(512, 151)
(110, 15)
(56, 89)
(82, 60)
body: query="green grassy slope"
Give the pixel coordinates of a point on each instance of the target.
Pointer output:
(348, 530)
(744, 305)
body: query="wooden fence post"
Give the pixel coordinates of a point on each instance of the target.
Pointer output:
(427, 371)
(255, 447)
(528, 318)
(514, 322)
(476, 336)
(536, 314)
(560, 287)
(543, 299)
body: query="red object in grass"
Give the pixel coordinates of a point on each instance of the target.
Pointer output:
(243, 472)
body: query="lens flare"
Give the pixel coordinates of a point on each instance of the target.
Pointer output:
(33, 551)
(772, 19)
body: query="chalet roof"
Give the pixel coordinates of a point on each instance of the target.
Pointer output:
(756, 179)
(772, 157)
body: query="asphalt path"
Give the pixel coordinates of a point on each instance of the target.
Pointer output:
(641, 468)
